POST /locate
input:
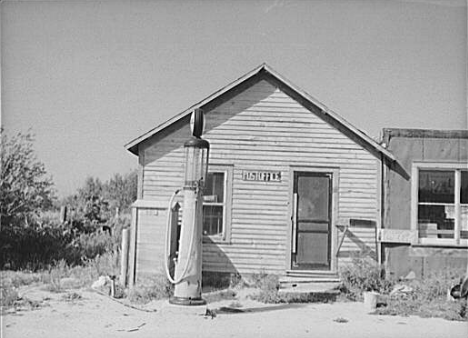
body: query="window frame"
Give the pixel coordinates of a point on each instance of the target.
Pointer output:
(457, 168)
(225, 236)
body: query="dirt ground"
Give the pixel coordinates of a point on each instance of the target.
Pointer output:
(85, 313)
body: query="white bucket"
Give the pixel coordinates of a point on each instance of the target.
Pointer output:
(370, 301)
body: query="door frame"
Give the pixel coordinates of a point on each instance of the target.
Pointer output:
(334, 171)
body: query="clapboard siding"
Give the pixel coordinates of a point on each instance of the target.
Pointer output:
(150, 240)
(262, 128)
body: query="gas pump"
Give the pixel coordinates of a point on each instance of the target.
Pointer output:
(188, 267)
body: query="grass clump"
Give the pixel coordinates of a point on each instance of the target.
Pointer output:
(361, 276)
(8, 296)
(268, 286)
(150, 288)
(427, 298)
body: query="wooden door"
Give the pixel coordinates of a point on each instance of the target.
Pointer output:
(311, 221)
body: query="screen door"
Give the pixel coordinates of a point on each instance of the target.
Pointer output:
(311, 221)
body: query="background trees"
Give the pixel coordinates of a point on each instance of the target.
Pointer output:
(32, 235)
(25, 188)
(97, 201)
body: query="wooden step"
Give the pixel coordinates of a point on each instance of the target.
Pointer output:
(312, 275)
(324, 288)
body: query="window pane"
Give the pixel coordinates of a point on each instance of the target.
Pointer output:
(218, 186)
(208, 185)
(464, 187)
(436, 221)
(464, 222)
(436, 186)
(212, 219)
(214, 188)
(313, 193)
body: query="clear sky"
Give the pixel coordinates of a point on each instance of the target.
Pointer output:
(90, 76)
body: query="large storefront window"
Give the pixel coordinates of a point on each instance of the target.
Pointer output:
(442, 204)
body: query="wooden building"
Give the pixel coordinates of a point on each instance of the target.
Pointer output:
(425, 224)
(288, 177)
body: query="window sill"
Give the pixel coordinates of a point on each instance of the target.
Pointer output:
(441, 242)
(215, 240)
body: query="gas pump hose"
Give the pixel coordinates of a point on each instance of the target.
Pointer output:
(166, 251)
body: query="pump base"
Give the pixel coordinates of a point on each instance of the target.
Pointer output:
(186, 301)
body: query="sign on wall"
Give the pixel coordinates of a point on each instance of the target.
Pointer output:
(263, 176)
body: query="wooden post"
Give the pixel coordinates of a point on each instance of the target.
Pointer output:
(457, 225)
(112, 290)
(124, 257)
(132, 248)
(63, 214)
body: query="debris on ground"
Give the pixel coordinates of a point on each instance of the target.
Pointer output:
(460, 290)
(133, 329)
(225, 309)
(71, 296)
(101, 282)
(210, 313)
(410, 276)
(340, 320)
(401, 289)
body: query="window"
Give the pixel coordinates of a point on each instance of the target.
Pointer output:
(216, 203)
(440, 209)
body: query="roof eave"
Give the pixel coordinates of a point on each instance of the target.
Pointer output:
(132, 146)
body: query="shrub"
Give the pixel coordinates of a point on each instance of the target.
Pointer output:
(44, 243)
(32, 247)
(89, 246)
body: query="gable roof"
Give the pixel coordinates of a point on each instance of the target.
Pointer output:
(298, 93)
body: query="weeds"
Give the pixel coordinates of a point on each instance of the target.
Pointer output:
(20, 278)
(150, 288)
(43, 242)
(8, 296)
(361, 276)
(428, 298)
(269, 286)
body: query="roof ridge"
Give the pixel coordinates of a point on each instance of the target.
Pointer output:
(132, 146)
